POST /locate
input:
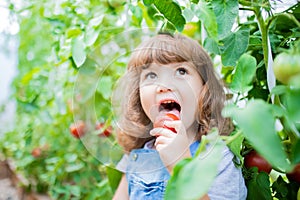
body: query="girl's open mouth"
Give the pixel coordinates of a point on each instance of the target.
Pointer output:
(169, 105)
(169, 110)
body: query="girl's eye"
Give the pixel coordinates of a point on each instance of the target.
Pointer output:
(150, 75)
(181, 71)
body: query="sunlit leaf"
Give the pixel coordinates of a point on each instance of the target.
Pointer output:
(211, 46)
(226, 12)
(105, 86)
(78, 51)
(244, 73)
(233, 46)
(207, 17)
(73, 32)
(171, 11)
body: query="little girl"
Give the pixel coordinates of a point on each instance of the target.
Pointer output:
(172, 97)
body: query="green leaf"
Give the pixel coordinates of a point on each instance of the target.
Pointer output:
(211, 46)
(233, 46)
(70, 157)
(137, 14)
(279, 89)
(73, 32)
(236, 145)
(244, 73)
(171, 11)
(91, 36)
(188, 14)
(78, 51)
(292, 104)
(257, 122)
(280, 187)
(72, 167)
(259, 187)
(195, 1)
(226, 12)
(295, 155)
(194, 177)
(172, 183)
(114, 177)
(74, 190)
(105, 86)
(207, 17)
(148, 2)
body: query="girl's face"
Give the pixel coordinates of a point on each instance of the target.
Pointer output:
(172, 88)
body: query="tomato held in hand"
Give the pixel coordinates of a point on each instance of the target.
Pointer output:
(295, 174)
(286, 66)
(253, 159)
(172, 116)
(160, 121)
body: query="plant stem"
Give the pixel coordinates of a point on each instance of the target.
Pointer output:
(232, 138)
(264, 34)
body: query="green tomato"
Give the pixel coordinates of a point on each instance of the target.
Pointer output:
(286, 66)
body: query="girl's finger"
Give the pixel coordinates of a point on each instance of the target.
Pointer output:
(177, 124)
(162, 140)
(162, 132)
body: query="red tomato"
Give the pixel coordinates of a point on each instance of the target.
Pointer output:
(168, 117)
(295, 174)
(36, 152)
(106, 132)
(78, 129)
(253, 159)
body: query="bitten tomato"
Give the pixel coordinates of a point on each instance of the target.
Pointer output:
(172, 116)
(295, 174)
(286, 66)
(159, 122)
(78, 129)
(253, 159)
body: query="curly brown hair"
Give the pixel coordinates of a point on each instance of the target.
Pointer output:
(165, 48)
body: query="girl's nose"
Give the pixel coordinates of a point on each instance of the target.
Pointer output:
(162, 89)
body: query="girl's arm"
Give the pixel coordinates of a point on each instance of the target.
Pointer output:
(122, 190)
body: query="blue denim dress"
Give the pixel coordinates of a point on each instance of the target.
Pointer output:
(147, 176)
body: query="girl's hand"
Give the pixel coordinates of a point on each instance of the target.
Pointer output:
(171, 146)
